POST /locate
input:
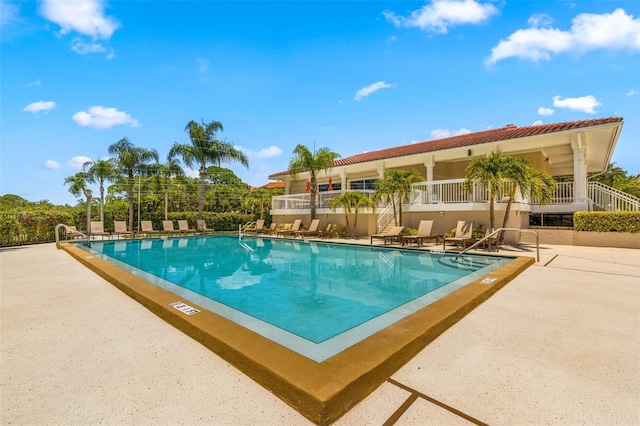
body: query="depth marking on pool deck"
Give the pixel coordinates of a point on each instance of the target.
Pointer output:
(324, 391)
(184, 308)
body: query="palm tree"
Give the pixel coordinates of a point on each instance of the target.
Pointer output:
(397, 183)
(487, 171)
(78, 186)
(166, 171)
(386, 192)
(205, 148)
(304, 160)
(99, 171)
(131, 161)
(259, 198)
(522, 175)
(351, 201)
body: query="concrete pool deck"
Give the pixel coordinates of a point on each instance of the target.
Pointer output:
(557, 345)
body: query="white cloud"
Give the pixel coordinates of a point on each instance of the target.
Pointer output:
(439, 15)
(34, 83)
(268, 152)
(9, 13)
(537, 123)
(83, 48)
(203, 65)
(84, 17)
(51, 164)
(540, 20)
(445, 133)
(78, 161)
(584, 104)
(366, 91)
(545, 111)
(632, 92)
(588, 32)
(36, 107)
(103, 118)
(192, 173)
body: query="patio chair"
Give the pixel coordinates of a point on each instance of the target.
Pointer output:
(183, 227)
(258, 228)
(167, 227)
(490, 243)
(391, 236)
(289, 232)
(121, 228)
(270, 230)
(313, 230)
(463, 236)
(97, 228)
(146, 228)
(324, 233)
(71, 232)
(424, 234)
(201, 227)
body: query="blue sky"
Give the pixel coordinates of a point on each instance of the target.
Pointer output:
(77, 76)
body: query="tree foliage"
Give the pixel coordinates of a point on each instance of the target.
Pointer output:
(205, 148)
(304, 160)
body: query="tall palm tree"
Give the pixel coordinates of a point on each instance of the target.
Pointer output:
(99, 171)
(398, 183)
(166, 171)
(131, 161)
(206, 148)
(351, 202)
(78, 187)
(306, 161)
(487, 171)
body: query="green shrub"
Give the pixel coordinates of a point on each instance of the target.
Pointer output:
(30, 227)
(607, 221)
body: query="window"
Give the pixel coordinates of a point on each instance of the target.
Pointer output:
(323, 187)
(364, 184)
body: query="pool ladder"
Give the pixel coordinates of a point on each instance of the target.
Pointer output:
(242, 228)
(57, 232)
(497, 231)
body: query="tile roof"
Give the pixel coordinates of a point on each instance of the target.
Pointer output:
(493, 135)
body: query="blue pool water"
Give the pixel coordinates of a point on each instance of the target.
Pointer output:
(313, 293)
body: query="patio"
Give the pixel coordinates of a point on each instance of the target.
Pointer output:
(558, 345)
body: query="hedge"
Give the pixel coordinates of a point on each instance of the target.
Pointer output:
(607, 221)
(30, 228)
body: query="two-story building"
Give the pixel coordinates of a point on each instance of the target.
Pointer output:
(571, 150)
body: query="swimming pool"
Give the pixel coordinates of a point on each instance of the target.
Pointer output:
(314, 298)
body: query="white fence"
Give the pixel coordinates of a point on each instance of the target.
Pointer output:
(452, 191)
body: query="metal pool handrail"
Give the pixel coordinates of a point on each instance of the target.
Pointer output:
(242, 228)
(56, 231)
(500, 230)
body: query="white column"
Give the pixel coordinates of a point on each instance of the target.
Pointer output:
(429, 165)
(343, 180)
(579, 170)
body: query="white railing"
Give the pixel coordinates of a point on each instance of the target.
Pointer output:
(563, 194)
(386, 216)
(611, 199)
(303, 201)
(452, 191)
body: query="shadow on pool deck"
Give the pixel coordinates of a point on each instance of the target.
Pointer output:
(557, 345)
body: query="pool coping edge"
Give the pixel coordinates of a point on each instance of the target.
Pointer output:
(322, 392)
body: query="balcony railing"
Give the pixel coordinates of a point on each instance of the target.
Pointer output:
(452, 192)
(303, 201)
